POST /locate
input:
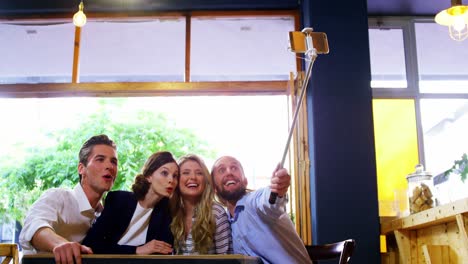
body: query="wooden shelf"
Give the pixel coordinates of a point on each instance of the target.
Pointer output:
(436, 235)
(441, 214)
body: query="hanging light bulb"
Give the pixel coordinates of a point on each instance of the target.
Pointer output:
(458, 23)
(79, 19)
(456, 18)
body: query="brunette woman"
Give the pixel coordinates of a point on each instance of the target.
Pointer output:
(138, 222)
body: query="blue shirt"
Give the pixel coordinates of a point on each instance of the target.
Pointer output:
(266, 231)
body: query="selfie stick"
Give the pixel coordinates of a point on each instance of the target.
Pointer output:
(312, 54)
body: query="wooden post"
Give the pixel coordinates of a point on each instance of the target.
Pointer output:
(188, 36)
(434, 254)
(463, 234)
(404, 246)
(76, 56)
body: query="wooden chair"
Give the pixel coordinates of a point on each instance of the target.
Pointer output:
(10, 252)
(342, 250)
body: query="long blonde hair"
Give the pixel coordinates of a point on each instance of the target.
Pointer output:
(204, 227)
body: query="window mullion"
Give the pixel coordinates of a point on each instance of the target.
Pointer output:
(412, 73)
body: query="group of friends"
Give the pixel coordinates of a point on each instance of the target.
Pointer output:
(171, 210)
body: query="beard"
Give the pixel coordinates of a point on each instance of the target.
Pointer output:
(234, 195)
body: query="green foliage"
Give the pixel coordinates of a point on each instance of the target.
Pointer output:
(460, 167)
(292, 216)
(55, 165)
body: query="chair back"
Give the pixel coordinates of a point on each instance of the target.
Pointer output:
(342, 250)
(10, 252)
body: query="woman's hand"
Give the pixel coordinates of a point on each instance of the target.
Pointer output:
(154, 246)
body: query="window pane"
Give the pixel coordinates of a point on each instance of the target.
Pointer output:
(445, 126)
(396, 147)
(133, 51)
(387, 58)
(218, 120)
(241, 49)
(442, 63)
(32, 53)
(207, 126)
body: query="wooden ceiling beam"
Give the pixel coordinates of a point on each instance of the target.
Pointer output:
(137, 89)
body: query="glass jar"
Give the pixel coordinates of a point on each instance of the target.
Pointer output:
(421, 191)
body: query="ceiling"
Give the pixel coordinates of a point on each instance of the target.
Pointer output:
(42, 7)
(406, 7)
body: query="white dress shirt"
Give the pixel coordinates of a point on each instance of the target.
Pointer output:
(65, 211)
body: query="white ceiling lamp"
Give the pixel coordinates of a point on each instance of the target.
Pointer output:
(456, 18)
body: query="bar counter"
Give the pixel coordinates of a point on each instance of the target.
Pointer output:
(140, 259)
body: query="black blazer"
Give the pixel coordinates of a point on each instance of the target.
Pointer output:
(115, 218)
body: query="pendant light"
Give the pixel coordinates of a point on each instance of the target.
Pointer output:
(79, 19)
(456, 19)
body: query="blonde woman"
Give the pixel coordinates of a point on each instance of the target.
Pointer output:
(199, 225)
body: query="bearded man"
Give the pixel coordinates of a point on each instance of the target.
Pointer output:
(258, 228)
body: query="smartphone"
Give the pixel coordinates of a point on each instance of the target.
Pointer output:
(298, 42)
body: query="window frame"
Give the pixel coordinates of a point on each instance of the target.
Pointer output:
(407, 24)
(151, 88)
(146, 88)
(186, 88)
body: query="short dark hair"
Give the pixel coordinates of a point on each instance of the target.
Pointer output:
(141, 185)
(88, 146)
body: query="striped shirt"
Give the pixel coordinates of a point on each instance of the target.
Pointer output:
(222, 238)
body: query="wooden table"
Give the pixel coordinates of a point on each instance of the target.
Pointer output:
(140, 259)
(436, 235)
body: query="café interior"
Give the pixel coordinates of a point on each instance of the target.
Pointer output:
(384, 113)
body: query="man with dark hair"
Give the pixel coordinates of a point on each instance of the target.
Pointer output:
(59, 220)
(258, 228)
